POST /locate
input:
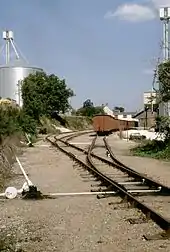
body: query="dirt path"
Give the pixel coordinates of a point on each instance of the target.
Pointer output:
(70, 224)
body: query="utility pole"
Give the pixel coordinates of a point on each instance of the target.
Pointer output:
(164, 108)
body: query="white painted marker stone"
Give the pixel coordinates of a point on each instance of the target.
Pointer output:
(11, 192)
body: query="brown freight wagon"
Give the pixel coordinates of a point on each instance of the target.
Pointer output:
(106, 124)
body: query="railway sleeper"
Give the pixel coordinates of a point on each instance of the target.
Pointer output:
(120, 205)
(98, 190)
(87, 176)
(105, 196)
(160, 190)
(127, 196)
(140, 220)
(102, 184)
(158, 236)
(164, 191)
(109, 189)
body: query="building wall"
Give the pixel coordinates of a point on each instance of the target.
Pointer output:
(150, 119)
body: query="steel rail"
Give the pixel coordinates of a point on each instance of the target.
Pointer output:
(73, 134)
(77, 134)
(150, 213)
(119, 189)
(164, 190)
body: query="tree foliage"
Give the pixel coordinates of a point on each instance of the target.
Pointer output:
(88, 103)
(42, 94)
(164, 81)
(121, 109)
(163, 123)
(8, 119)
(14, 120)
(88, 109)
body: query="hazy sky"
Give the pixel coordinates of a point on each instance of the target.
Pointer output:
(105, 49)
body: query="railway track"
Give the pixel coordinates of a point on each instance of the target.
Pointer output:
(120, 188)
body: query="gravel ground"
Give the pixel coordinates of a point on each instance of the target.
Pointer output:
(70, 223)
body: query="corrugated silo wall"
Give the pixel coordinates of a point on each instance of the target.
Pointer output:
(9, 77)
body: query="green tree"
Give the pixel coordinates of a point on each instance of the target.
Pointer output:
(163, 123)
(88, 103)
(26, 123)
(14, 120)
(8, 118)
(42, 94)
(164, 81)
(121, 109)
(88, 109)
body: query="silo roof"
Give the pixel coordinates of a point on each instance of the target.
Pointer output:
(19, 63)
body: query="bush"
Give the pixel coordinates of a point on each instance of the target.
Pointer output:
(12, 120)
(89, 111)
(79, 122)
(13, 123)
(26, 123)
(153, 149)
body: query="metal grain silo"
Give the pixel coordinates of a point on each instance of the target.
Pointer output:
(10, 75)
(13, 71)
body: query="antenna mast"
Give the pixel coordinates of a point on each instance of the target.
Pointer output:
(164, 109)
(8, 37)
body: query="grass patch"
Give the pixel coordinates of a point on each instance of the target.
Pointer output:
(9, 146)
(153, 149)
(73, 123)
(79, 122)
(47, 126)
